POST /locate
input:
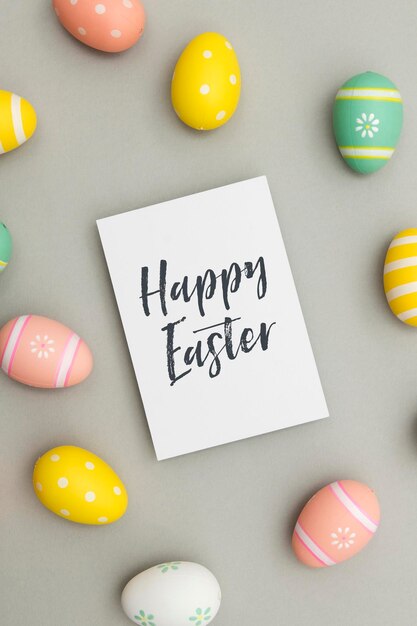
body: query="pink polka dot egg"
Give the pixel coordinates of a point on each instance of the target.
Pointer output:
(41, 352)
(336, 523)
(107, 25)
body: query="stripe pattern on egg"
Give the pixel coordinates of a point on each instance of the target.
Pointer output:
(336, 523)
(17, 121)
(400, 276)
(5, 247)
(367, 121)
(41, 352)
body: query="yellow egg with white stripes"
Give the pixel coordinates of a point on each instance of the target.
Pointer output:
(400, 276)
(17, 121)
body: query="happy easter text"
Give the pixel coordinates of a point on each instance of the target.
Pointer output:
(218, 336)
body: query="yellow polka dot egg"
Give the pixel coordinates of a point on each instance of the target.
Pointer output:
(205, 86)
(79, 486)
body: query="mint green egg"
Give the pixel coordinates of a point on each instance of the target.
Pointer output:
(367, 121)
(5, 247)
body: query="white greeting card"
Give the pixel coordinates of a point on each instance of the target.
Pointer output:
(212, 318)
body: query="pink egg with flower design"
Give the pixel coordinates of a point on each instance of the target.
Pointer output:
(107, 25)
(41, 352)
(336, 523)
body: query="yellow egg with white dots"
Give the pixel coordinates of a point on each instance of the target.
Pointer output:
(206, 82)
(79, 486)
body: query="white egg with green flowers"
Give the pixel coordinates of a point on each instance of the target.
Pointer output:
(367, 121)
(174, 593)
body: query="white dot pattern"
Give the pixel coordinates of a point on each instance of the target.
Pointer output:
(73, 2)
(78, 486)
(82, 30)
(128, 4)
(219, 85)
(100, 9)
(116, 33)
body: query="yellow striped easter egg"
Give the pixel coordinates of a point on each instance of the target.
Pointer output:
(17, 121)
(400, 276)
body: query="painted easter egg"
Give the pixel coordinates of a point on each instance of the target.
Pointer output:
(40, 352)
(336, 523)
(172, 594)
(205, 86)
(17, 121)
(79, 486)
(5, 247)
(107, 25)
(400, 276)
(367, 121)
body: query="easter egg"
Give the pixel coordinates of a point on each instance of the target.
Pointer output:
(107, 25)
(79, 486)
(400, 276)
(205, 86)
(172, 594)
(40, 352)
(5, 247)
(336, 523)
(17, 121)
(367, 121)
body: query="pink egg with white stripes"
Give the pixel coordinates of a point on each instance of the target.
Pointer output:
(336, 523)
(41, 352)
(107, 25)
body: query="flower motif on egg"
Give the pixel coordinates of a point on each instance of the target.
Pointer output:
(42, 347)
(145, 619)
(200, 616)
(367, 125)
(171, 565)
(343, 538)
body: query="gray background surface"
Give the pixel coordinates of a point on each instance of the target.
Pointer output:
(108, 141)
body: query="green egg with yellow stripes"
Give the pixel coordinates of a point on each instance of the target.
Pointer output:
(367, 121)
(5, 247)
